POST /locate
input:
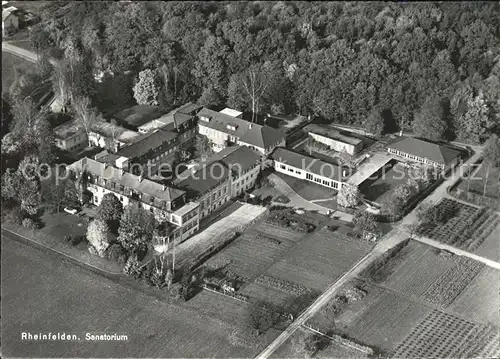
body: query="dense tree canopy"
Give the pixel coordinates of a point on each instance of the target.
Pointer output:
(336, 60)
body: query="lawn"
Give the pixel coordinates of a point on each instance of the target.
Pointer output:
(307, 190)
(270, 191)
(490, 247)
(9, 64)
(476, 184)
(381, 185)
(58, 226)
(23, 44)
(46, 294)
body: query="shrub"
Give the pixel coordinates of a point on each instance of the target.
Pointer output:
(14, 216)
(132, 267)
(117, 253)
(29, 223)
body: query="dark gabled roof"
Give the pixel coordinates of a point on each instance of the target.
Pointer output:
(205, 179)
(237, 158)
(127, 179)
(424, 149)
(189, 108)
(234, 160)
(263, 136)
(308, 164)
(248, 132)
(147, 143)
(219, 121)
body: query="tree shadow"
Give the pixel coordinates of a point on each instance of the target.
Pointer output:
(374, 191)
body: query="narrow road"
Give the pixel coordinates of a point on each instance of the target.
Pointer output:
(457, 251)
(391, 239)
(32, 57)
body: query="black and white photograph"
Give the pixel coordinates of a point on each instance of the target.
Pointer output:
(250, 179)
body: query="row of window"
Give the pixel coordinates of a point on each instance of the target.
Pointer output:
(164, 154)
(412, 157)
(126, 191)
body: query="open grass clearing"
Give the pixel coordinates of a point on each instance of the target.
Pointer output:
(480, 300)
(96, 304)
(490, 247)
(480, 178)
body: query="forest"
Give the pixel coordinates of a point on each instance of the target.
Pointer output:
(430, 68)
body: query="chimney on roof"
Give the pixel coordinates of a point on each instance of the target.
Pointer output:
(164, 187)
(141, 177)
(250, 125)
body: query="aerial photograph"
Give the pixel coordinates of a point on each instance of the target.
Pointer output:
(250, 179)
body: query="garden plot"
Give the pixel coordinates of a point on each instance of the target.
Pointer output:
(480, 300)
(413, 269)
(387, 321)
(458, 216)
(319, 259)
(438, 335)
(449, 285)
(251, 253)
(482, 342)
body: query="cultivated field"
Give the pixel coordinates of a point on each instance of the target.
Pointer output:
(420, 271)
(438, 335)
(480, 301)
(288, 267)
(255, 250)
(315, 262)
(387, 320)
(464, 226)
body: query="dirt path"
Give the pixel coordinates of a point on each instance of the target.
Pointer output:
(391, 239)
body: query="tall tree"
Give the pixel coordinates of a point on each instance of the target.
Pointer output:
(86, 115)
(110, 210)
(429, 122)
(491, 151)
(98, 236)
(147, 88)
(374, 124)
(348, 196)
(136, 228)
